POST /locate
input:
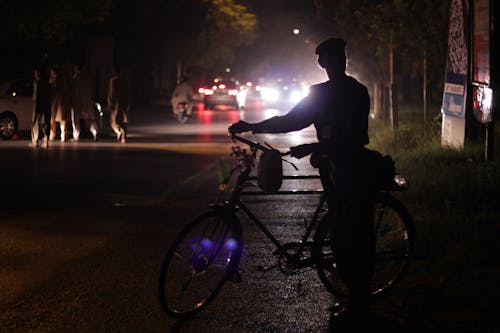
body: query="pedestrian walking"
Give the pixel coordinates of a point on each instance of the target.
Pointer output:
(40, 128)
(119, 102)
(60, 104)
(82, 109)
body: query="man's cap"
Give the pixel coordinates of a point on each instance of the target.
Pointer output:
(331, 45)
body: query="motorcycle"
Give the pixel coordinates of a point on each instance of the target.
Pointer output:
(181, 112)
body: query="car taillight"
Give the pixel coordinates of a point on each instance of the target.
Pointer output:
(201, 90)
(208, 92)
(233, 92)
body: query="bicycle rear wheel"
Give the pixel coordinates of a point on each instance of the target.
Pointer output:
(203, 256)
(395, 245)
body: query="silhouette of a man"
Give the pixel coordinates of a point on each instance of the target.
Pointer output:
(339, 110)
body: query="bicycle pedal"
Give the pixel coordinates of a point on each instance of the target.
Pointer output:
(235, 277)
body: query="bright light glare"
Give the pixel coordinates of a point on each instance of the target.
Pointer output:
(206, 243)
(233, 92)
(305, 91)
(201, 90)
(296, 31)
(222, 86)
(487, 97)
(231, 244)
(241, 97)
(269, 94)
(208, 92)
(295, 96)
(249, 84)
(269, 113)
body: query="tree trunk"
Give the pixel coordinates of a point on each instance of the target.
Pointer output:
(424, 85)
(377, 102)
(393, 109)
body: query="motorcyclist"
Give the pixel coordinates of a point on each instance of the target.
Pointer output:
(183, 93)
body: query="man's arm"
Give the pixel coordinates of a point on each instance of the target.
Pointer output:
(299, 117)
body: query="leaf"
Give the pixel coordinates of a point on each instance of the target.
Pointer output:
(223, 172)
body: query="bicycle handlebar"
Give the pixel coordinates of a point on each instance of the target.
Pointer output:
(255, 144)
(261, 147)
(400, 183)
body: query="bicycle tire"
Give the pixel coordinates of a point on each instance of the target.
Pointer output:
(395, 247)
(202, 257)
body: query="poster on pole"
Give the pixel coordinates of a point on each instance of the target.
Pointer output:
(455, 87)
(482, 94)
(481, 41)
(456, 80)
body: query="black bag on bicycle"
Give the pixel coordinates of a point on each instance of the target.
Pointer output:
(380, 169)
(270, 171)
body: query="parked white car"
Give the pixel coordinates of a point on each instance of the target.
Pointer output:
(16, 107)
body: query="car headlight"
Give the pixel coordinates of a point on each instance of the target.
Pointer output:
(269, 94)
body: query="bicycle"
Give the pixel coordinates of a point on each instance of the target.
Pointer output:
(207, 252)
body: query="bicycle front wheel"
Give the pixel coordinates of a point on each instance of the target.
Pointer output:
(395, 245)
(203, 256)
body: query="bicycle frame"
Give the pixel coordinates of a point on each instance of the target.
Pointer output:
(293, 257)
(235, 202)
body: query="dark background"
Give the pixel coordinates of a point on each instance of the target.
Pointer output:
(158, 39)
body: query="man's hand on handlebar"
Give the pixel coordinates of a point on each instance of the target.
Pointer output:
(240, 127)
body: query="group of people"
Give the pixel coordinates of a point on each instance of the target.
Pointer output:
(63, 101)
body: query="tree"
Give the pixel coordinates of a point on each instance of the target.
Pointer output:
(199, 32)
(49, 21)
(228, 26)
(379, 30)
(30, 27)
(163, 38)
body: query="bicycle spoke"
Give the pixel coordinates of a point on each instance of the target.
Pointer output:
(198, 264)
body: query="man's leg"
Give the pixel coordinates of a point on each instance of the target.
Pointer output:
(123, 124)
(75, 120)
(45, 128)
(114, 125)
(62, 124)
(35, 129)
(93, 129)
(53, 124)
(353, 245)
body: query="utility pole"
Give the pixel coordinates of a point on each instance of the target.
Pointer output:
(424, 83)
(494, 40)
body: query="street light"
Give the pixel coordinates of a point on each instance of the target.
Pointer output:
(296, 31)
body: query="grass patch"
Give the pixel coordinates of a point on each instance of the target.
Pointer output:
(454, 199)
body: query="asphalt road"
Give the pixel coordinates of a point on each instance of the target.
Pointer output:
(84, 227)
